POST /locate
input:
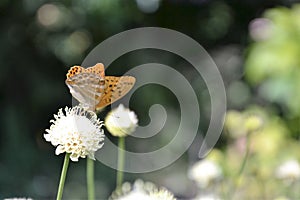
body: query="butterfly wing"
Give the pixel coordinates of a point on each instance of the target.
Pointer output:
(87, 88)
(115, 88)
(96, 69)
(74, 71)
(93, 89)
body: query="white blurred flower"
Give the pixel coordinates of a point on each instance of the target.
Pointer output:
(121, 121)
(136, 194)
(15, 198)
(204, 172)
(141, 190)
(261, 29)
(207, 197)
(77, 132)
(288, 170)
(161, 194)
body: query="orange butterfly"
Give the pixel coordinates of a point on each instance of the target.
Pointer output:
(93, 89)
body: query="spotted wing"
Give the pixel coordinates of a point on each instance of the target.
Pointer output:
(87, 88)
(115, 88)
(74, 71)
(96, 69)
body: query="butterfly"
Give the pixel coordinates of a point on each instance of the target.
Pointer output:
(93, 89)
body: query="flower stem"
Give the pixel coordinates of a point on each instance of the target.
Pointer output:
(121, 158)
(242, 167)
(90, 179)
(245, 157)
(63, 177)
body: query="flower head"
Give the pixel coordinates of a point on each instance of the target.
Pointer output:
(77, 132)
(121, 121)
(141, 190)
(160, 194)
(288, 170)
(209, 196)
(136, 194)
(204, 172)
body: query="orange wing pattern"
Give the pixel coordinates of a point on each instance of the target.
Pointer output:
(92, 88)
(115, 88)
(96, 69)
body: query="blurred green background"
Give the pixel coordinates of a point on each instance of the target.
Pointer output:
(255, 43)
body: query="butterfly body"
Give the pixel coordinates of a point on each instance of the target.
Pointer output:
(93, 89)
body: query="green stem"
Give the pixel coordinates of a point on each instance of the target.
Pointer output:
(245, 158)
(121, 159)
(243, 165)
(90, 179)
(63, 177)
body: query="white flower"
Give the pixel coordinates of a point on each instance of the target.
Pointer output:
(204, 172)
(288, 170)
(121, 121)
(161, 194)
(136, 194)
(141, 190)
(207, 197)
(77, 132)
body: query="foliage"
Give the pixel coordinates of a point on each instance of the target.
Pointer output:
(273, 63)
